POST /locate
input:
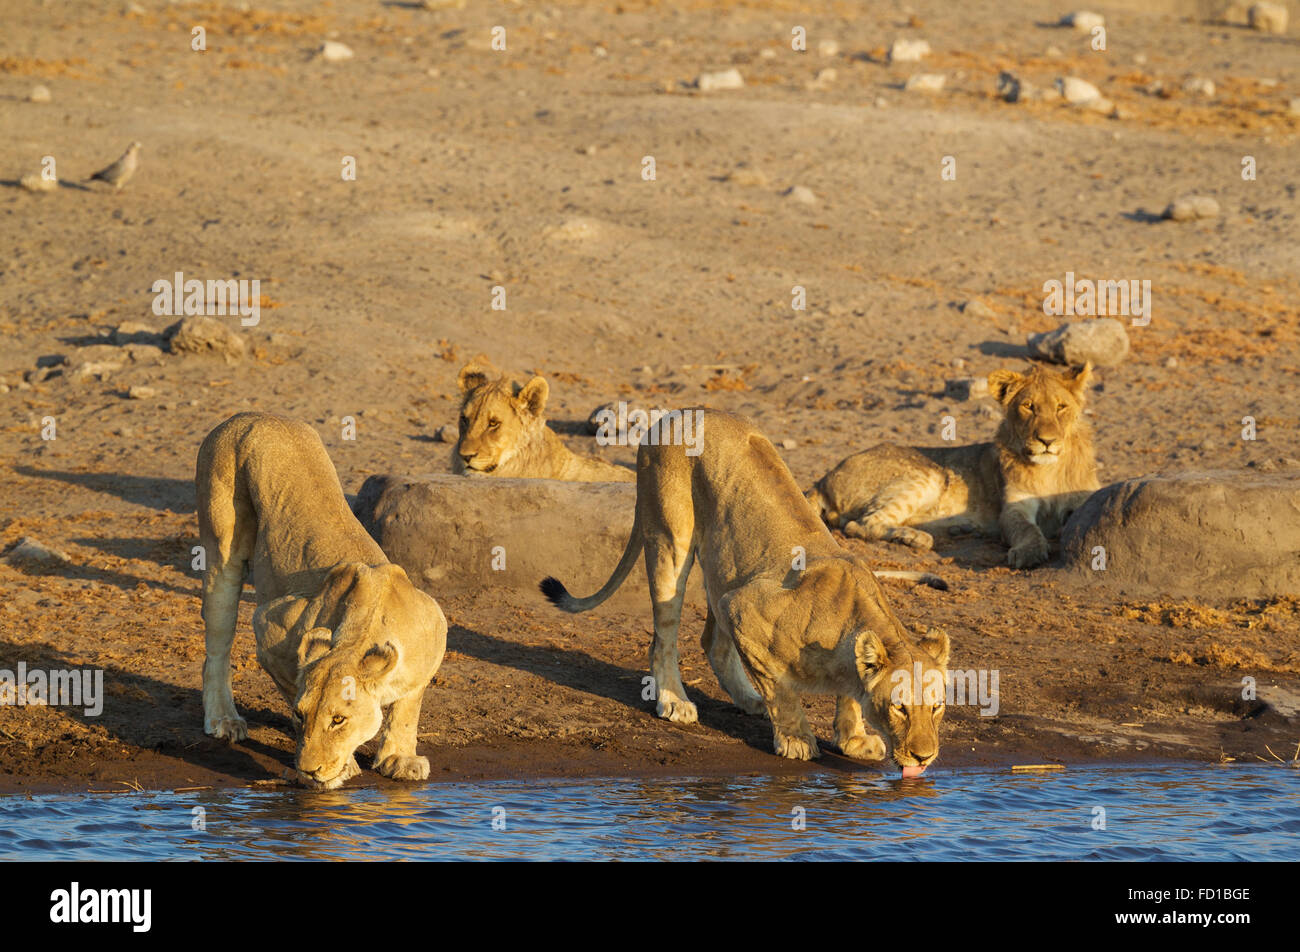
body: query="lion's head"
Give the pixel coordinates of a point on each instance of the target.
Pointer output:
(1043, 420)
(345, 671)
(498, 417)
(906, 686)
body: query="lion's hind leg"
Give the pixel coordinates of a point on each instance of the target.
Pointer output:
(723, 658)
(897, 502)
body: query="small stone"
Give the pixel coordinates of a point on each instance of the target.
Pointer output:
(767, 54)
(94, 370)
(925, 82)
(1083, 21)
(828, 48)
(1192, 208)
(977, 308)
(801, 194)
(39, 94)
(1077, 91)
(1293, 108)
(1171, 362)
(823, 78)
(140, 392)
(29, 550)
(144, 353)
(724, 79)
(443, 4)
(966, 388)
(1268, 17)
(1101, 340)
(788, 444)
(36, 182)
(1199, 86)
(129, 332)
(881, 102)
(334, 52)
(204, 335)
(747, 177)
(1053, 51)
(908, 51)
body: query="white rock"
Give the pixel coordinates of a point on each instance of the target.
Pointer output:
(823, 78)
(1077, 91)
(140, 392)
(1268, 17)
(966, 388)
(724, 79)
(1191, 208)
(828, 48)
(1294, 107)
(977, 308)
(1199, 86)
(801, 194)
(1083, 21)
(925, 82)
(767, 54)
(30, 550)
(908, 51)
(788, 444)
(1101, 340)
(334, 52)
(36, 182)
(39, 94)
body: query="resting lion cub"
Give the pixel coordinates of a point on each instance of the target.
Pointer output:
(503, 432)
(349, 641)
(790, 611)
(1039, 468)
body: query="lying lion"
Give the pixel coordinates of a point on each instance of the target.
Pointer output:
(790, 612)
(1039, 468)
(503, 432)
(348, 640)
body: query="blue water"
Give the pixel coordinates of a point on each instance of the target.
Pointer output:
(1161, 812)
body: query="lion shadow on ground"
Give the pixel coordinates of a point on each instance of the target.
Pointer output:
(582, 672)
(156, 492)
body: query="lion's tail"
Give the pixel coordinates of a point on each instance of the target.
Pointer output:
(924, 578)
(559, 596)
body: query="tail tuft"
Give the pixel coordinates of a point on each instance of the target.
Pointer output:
(555, 592)
(934, 582)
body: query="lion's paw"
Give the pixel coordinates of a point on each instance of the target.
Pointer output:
(404, 768)
(862, 747)
(678, 711)
(1028, 554)
(232, 728)
(796, 748)
(915, 538)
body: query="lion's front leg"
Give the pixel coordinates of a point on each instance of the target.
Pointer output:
(1020, 531)
(851, 732)
(397, 757)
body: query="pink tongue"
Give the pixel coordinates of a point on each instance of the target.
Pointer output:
(910, 772)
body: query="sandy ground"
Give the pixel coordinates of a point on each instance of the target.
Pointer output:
(523, 168)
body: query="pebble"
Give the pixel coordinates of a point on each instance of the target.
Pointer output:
(925, 82)
(748, 177)
(828, 48)
(1192, 208)
(1171, 362)
(94, 369)
(36, 182)
(1102, 340)
(1268, 17)
(1014, 89)
(977, 308)
(823, 78)
(966, 388)
(140, 392)
(908, 51)
(725, 79)
(1083, 21)
(127, 331)
(39, 94)
(1294, 107)
(30, 550)
(788, 444)
(1199, 86)
(204, 335)
(1078, 92)
(801, 194)
(334, 52)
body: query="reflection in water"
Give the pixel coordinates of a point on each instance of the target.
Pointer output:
(1201, 812)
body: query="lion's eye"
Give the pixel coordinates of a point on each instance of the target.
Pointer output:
(1029, 407)
(493, 424)
(1060, 408)
(337, 719)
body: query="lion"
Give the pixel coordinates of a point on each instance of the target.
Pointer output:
(503, 432)
(350, 642)
(790, 611)
(1039, 468)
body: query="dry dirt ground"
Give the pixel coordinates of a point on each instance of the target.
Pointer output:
(523, 168)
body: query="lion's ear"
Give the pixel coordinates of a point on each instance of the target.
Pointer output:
(869, 653)
(314, 645)
(475, 374)
(1077, 383)
(378, 661)
(532, 395)
(935, 643)
(1003, 383)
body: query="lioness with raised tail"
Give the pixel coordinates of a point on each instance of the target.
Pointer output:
(350, 642)
(1039, 468)
(503, 432)
(790, 612)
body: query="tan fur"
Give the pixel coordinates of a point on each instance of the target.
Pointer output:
(790, 612)
(343, 633)
(1024, 485)
(503, 432)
